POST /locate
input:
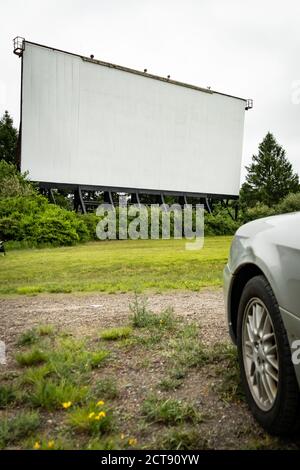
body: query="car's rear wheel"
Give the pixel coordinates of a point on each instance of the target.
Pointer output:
(267, 371)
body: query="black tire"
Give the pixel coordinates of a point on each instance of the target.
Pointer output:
(283, 417)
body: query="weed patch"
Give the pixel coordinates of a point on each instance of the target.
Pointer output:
(18, 427)
(112, 334)
(170, 411)
(32, 357)
(93, 419)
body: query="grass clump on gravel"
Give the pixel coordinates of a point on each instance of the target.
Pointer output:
(112, 334)
(7, 395)
(179, 438)
(170, 411)
(142, 317)
(93, 419)
(18, 427)
(34, 356)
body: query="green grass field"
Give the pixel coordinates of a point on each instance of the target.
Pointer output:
(115, 266)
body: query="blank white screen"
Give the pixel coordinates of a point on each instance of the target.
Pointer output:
(89, 124)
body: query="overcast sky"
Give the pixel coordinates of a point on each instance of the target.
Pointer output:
(244, 48)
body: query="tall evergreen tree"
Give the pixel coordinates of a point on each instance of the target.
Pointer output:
(270, 176)
(8, 139)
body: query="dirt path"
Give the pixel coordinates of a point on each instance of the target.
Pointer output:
(81, 314)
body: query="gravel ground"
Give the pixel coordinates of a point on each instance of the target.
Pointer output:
(229, 424)
(81, 314)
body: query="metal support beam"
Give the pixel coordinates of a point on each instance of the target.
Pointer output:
(163, 203)
(182, 200)
(51, 196)
(135, 198)
(207, 205)
(107, 196)
(78, 200)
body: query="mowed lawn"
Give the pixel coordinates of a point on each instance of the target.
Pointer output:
(115, 266)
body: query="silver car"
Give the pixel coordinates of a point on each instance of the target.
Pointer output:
(262, 298)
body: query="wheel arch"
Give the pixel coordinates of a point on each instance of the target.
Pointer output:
(241, 277)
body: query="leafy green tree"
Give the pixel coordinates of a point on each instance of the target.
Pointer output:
(12, 182)
(270, 176)
(8, 139)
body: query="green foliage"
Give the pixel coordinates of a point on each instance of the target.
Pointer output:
(34, 375)
(45, 330)
(13, 183)
(90, 220)
(91, 419)
(229, 388)
(105, 388)
(257, 212)
(34, 220)
(290, 203)
(116, 333)
(182, 439)
(50, 394)
(7, 395)
(18, 427)
(144, 318)
(8, 139)
(70, 358)
(187, 351)
(171, 383)
(219, 223)
(32, 357)
(28, 337)
(26, 216)
(96, 358)
(170, 411)
(47, 443)
(270, 176)
(103, 443)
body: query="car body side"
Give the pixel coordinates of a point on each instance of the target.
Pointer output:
(269, 246)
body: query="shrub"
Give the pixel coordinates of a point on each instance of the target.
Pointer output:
(13, 183)
(220, 224)
(290, 203)
(34, 220)
(257, 212)
(90, 220)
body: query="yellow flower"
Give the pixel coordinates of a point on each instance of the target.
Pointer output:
(100, 415)
(132, 441)
(100, 403)
(66, 404)
(122, 436)
(50, 444)
(37, 445)
(91, 415)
